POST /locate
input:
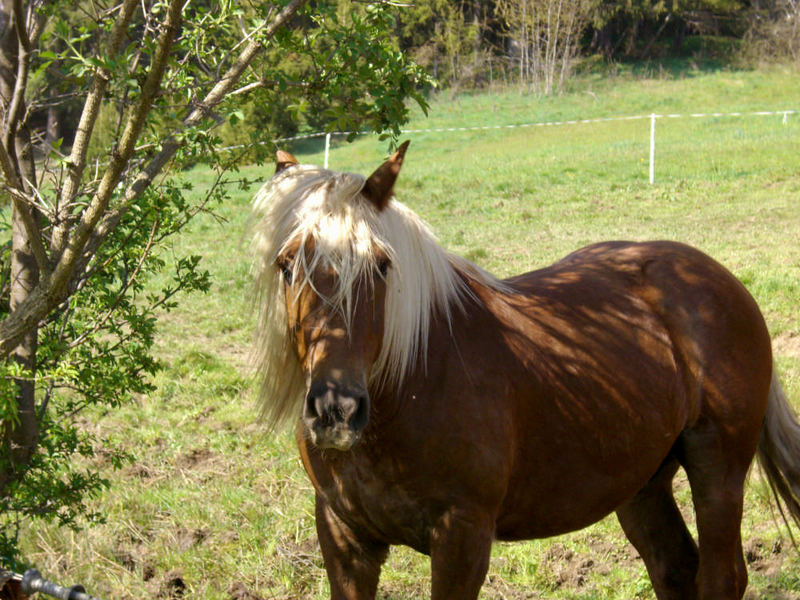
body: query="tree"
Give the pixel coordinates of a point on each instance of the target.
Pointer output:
(546, 36)
(85, 220)
(454, 40)
(632, 27)
(774, 33)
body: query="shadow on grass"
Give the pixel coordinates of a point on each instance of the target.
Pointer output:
(698, 55)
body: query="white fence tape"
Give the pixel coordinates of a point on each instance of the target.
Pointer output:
(652, 117)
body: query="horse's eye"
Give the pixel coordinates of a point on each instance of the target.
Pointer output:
(286, 270)
(383, 266)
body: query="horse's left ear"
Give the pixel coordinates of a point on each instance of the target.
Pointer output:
(283, 160)
(379, 185)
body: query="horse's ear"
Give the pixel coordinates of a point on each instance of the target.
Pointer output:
(379, 185)
(283, 160)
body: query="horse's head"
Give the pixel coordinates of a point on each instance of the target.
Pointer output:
(336, 344)
(334, 276)
(350, 280)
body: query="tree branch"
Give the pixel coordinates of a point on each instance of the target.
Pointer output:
(22, 30)
(121, 156)
(171, 145)
(80, 146)
(268, 83)
(44, 298)
(14, 187)
(12, 120)
(22, 207)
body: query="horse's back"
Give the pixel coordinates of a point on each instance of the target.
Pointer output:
(700, 302)
(714, 323)
(711, 323)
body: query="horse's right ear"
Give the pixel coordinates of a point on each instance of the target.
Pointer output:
(379, 185)
(284, 160)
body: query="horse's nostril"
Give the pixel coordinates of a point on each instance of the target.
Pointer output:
(361, 416)
(314, 406)
(330, 405)
(335, 415)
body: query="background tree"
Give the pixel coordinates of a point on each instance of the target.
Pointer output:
(546, 38)
(774, 32)
(479, 42)
(153, 81)
(631, 28)
(455, 41)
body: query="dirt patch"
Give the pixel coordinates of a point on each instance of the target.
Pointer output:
(135, 558)
(787, 344)
(140, 471)
(496, 587)
(239, 591)
(202, 465)
(569, 569)
(189, 538)
(171, 587)
(194, 457)
(305, 555)
(763, 558)
(565, 571)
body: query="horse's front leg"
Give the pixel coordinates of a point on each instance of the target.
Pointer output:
(353, 565)
(461, 544)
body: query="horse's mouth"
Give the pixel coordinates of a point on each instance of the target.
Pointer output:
(332, 437)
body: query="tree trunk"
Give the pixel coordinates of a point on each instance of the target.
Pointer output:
(53, 131)
(602, 40)
(20, 438)
(436, 41)
(679, 36)
(476, 39)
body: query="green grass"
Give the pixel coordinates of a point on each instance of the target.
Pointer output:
(218, 507)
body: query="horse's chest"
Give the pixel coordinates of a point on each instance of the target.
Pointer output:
(389, 512)
(387, 508)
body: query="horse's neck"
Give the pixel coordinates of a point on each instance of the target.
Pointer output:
(474, 331)
(467, 354)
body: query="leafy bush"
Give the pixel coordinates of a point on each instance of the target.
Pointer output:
(89, 228)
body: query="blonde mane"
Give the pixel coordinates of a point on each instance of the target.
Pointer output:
(303, 203)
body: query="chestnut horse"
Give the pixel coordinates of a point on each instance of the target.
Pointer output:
(441, 408)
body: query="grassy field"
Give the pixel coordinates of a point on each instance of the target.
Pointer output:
(216, 507)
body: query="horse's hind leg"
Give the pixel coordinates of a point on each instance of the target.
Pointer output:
(655, 527)
(717, 468)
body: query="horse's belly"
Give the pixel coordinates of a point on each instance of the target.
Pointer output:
(568, 483)
(562, 512)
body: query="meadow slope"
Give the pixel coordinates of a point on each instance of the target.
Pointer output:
(215, 507)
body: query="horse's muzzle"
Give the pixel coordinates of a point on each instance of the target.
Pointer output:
(334, 415)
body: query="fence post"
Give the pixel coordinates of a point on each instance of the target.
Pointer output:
(327, 148)
(652, 147)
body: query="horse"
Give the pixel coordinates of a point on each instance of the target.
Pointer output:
(441, 408)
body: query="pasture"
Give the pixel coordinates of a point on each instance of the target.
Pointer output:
(215, 507)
